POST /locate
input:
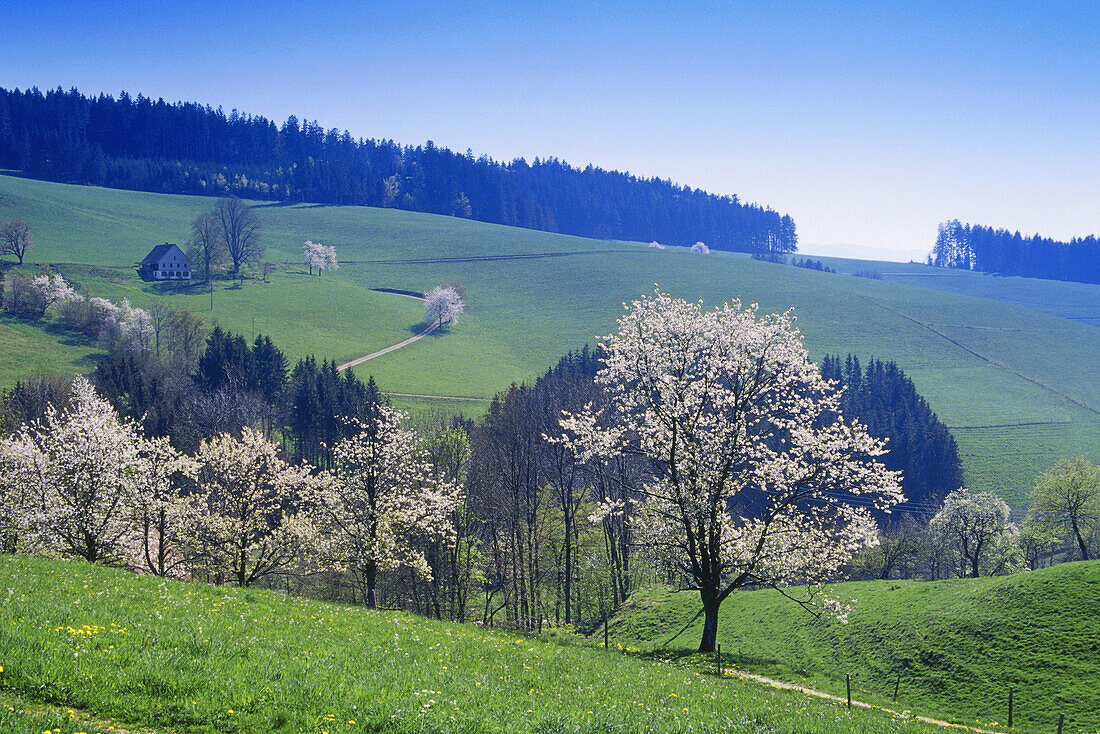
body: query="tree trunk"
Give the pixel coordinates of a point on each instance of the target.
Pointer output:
(710, 620)
(371, 572)
(1080, 541)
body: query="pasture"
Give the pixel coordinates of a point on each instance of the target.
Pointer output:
(87, 648)
(1019, 387)
(957, 645)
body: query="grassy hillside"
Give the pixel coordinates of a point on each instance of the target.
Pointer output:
(1075, 301)
(957, 644)
(1019, 388)
(139, 651)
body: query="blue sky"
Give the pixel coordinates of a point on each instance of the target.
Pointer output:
(868, 122)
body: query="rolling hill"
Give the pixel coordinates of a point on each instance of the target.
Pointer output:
(98, 648)
(1018, 387)
(957, 645)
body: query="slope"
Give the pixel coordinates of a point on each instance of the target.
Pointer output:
(182, 657)
(957, 645)
(1019, 388)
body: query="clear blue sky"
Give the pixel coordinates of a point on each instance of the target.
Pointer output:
(868, 122)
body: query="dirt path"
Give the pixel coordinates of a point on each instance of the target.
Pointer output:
(387, 350)
(821, 694)
(438, 397)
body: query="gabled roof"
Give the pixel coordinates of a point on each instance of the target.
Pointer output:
(154, 256)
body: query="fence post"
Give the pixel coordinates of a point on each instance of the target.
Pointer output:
(897, 684)
(1010, 707)
(1061, 721)
(719, 658)
(848, 685)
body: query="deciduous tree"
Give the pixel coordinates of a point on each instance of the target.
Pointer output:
(71, 479)
(384, 501)
(974, 524)
(207, 243)
(1068, 497)
(16, 238)
(745, 445)
(443, 304)
(240, 230)
(322, 257)
(254, 515)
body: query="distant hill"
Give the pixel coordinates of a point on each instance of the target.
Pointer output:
(958, 645)
(143, 144)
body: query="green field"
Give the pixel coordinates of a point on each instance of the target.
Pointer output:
(1018, 387)
(133, 650)
(958, 645)
(1076, 301)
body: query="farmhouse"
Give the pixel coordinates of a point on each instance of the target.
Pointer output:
(166, 262)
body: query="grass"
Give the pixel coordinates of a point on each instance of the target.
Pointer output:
(1019, 387)
(127, 650)
(957, 644)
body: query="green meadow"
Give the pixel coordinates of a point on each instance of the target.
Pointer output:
(1019, 387)
(92, 649)
(957, 645)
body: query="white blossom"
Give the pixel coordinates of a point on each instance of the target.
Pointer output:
(254, 514)
(750, 459)
(70, 480)
(316, 255)
(443, 304)
(384, 501)
(53, 289)
(977, 527)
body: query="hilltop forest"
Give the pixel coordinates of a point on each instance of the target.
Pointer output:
(187, 148)
(974, 247)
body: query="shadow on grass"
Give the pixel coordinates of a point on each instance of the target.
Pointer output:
(417, 329)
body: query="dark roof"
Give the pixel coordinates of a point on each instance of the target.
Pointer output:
(155, 254)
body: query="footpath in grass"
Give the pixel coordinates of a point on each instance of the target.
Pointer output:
(957, 645)
(182, 657)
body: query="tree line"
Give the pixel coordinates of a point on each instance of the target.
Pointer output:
(187, 148)
(988, 250)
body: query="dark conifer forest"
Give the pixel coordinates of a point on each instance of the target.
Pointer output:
(974, 247)
(884, 400)
(187, 148)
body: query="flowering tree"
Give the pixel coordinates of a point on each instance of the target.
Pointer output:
(977, 527)
(322, 257)
(385, 501)
(253, 513)
(163, 518)
(70, 479)
(700, 248)
(52, 290)
(747, 452)
(443, 304)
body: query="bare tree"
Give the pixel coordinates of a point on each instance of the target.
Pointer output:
(15, 238)
(240, 231)
(207, 243)
(160, 316)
